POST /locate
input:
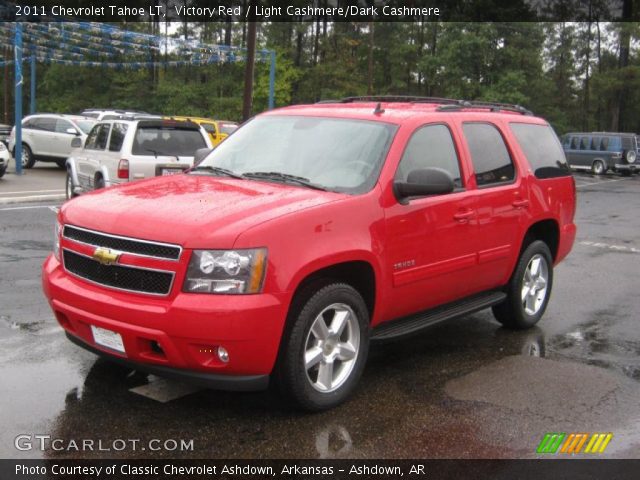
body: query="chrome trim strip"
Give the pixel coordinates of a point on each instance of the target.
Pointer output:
(130, 239)
(173, 275)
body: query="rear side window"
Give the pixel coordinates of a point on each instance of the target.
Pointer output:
(542, 149)
(46, 124)
(167, 141)
(595, 143)
(118, 132)
(605, 143)
(430, 146)
(491, 160)
(584, 143)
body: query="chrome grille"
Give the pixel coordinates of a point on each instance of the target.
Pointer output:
(121, 277)
(122, 244)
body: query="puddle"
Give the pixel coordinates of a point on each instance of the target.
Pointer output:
(23, 326)
(604, 341)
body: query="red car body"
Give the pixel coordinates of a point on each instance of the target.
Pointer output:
(422, 254)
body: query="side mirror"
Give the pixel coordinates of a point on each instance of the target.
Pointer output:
(201, 154)
(72, 131)
(76, 142)
(423, 182)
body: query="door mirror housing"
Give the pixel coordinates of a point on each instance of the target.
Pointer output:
(76, 142)
(423, 182)
(72, 131)
(201, 154)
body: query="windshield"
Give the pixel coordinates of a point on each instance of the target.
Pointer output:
(85, 125)
(337, 154)
(167, 141)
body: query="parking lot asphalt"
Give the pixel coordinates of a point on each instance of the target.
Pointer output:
(464, 389)
(44, 182)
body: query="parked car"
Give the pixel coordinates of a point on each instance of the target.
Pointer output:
(218, 130)
(4, 159)
(118, 151)
(47, 137)
(309, 233)
(600, 152)
(110, 114)
(5, 131)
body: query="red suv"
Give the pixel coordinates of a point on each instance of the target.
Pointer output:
(312, 231)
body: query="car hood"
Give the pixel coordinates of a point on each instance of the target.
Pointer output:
(194, 211)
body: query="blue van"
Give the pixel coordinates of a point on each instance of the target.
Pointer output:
(600, 152)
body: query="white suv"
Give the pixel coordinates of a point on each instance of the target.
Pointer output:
(49, 136)
(108, 114)
(119, 151)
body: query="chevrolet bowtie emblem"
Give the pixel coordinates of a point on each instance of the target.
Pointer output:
(106, 256)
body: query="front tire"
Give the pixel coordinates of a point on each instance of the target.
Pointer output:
(324, 351)
(529, 289)
(69, 188)
(28, 160)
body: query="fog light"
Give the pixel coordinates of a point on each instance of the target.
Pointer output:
(223, 355)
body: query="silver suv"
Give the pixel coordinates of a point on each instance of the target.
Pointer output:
(119, 151)
(49, 137)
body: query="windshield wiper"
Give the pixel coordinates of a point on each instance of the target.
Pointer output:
(158, 152)
(218, 170)
(285, 177)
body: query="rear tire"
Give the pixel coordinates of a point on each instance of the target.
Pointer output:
(98, 183)
(529, 289)
(62, 163)
(598, 168)
(325, 348)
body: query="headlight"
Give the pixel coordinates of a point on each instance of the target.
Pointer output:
(226, 271)
(2, 147)
(57, 230)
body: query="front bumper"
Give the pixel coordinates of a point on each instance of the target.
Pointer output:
(175, 336)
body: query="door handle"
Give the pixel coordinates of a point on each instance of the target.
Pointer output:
(463, 217)
(520, 203)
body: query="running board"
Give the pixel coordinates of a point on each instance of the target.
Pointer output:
(419, 321)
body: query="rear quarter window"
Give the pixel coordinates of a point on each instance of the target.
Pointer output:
(542, 149)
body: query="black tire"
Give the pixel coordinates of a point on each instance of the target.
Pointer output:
(69, 187)
(62, 163)
(291, 374)
(598, 168)
(28, 160)
(2, 170)
(98, 182)
(512, 312)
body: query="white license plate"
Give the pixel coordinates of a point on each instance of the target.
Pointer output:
(170, 171)
(107, 338)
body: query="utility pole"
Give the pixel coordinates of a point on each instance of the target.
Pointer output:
(250, 60)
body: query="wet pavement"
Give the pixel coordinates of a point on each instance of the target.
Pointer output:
(465, 389)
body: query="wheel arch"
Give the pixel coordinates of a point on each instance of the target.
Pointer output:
(546, 230)
(359, 273)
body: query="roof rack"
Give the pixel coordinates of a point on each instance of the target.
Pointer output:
(493, 106)
(394, 98)
(446, 104)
